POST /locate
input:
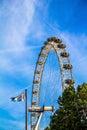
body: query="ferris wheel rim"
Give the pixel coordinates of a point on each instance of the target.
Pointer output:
(59, 49)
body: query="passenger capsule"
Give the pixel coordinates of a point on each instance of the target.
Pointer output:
(67, 66)
(34, 103)
(32, 126)
(33, 114)
(35, 92)
(61, 46)
(69, 81)
(40, 63)
(44, 48)
(37, 72)
(36, 82)
(42, 55)
(51, 39)
(58, 40)
(46, 42)
(64, 54)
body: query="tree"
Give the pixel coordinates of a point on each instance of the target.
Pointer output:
(72, 112)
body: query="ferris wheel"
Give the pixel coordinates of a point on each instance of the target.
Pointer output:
(51, 45)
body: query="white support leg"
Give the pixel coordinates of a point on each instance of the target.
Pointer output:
(37, 124)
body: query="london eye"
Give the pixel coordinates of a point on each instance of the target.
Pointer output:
(55, 47)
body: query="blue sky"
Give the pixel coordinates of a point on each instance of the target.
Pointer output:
(24, 26)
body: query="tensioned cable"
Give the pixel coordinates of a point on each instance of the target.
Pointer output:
(65, 66)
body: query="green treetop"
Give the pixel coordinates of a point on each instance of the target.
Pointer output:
(72, 112)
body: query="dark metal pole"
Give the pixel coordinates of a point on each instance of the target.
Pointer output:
(26, 111)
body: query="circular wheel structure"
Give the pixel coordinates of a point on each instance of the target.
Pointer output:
(56, 45)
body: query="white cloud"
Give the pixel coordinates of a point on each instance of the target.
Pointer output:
(18, 57)
(18, 23)
(15, 54)
(16, 18)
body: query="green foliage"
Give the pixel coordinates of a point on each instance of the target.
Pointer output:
(72, 112)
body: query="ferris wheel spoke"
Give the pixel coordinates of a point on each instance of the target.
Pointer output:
(52, 45)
